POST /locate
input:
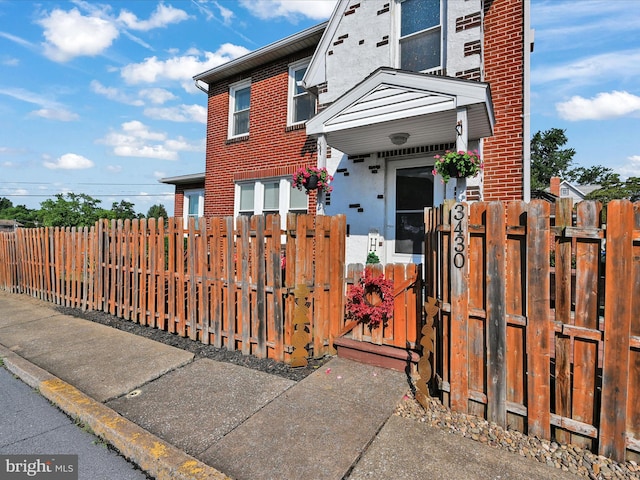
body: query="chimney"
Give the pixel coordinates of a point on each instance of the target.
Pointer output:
(554, 188)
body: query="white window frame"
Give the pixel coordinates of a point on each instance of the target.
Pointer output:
(399, 38)
(233, 88)
(284, 200)
(187, 194)
(293, 67)
(238, 191)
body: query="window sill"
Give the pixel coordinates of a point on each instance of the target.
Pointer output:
(238, 139)
(296, 126)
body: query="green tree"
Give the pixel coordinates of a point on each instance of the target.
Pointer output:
(548, 158)
(595, 175)
(157, 211)
(76, 210)
(20, 213)
(122, 211)
(5, 203)
(617, 189)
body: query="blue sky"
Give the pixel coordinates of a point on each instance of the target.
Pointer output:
(97, 97)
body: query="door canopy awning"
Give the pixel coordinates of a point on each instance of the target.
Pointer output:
(391, 103)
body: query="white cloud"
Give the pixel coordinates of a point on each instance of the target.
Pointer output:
(11, 151)
(71, 34)
(59, 114)
(290, 9)
(69, 161)
(162, 16)
(591, 69)
(51, 109)
(114, 168)
(136, 140)
(157, 96)
(18, 40)
(114, 94)
(179, 68)
(603, 105)
(11, 62)
(631, 168)
(180, 113)
(226, 14)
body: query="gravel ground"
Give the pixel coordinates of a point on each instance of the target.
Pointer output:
(200, 350)
(569, 458)
(566, 457)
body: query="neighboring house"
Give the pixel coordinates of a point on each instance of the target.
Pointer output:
(395, 83)
(9, 225)
(563, 188)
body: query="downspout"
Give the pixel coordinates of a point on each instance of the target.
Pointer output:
(322, 163)
(526, 114)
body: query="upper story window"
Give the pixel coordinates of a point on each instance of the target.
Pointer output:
(239, 103)
(420, 35)
(564, 192)
(302, 105)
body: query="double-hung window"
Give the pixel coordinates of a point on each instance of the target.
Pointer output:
(420, 35)
(239, 103)
(270, 195)
(247, 194)
(302, 105)
(193, 205)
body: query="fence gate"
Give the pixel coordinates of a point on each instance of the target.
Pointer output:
(529, 334)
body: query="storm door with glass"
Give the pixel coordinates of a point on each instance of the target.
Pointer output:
(411, 188)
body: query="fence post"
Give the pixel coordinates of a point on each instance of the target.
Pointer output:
(617, 319)
(496, 314)
(538, 323)
(458, 266)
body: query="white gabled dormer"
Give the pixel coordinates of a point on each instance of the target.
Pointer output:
(430, 36)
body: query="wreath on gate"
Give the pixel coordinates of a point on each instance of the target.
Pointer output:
(370, 300)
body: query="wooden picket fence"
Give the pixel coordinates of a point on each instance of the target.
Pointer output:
(403, 328)
(559, 363)
(234, 283)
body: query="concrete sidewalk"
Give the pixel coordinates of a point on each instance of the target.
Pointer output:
(180, 417)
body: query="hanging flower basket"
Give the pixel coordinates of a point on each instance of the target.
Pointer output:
(312, 178)
(370, 301)
(457, 165)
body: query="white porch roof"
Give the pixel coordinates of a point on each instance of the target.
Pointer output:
(395, 101)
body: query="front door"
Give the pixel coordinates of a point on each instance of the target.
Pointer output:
(410, 188)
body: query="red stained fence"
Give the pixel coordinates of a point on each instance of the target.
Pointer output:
(220, 282)
(556, 359)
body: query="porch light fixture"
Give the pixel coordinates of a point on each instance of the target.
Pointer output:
(459, 128)
(399, 138)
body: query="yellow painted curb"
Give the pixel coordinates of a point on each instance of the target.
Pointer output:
(158, 458)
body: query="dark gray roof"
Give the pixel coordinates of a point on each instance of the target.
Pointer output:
(184, 179)
(308, 38)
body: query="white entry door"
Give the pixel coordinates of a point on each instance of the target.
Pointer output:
(410, 188)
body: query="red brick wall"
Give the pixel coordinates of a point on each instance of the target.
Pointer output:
(270, 149)
(504, 70)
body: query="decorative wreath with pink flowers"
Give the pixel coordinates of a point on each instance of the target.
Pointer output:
(370, 300)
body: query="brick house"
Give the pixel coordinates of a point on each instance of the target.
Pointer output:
(373, 95)
(255, 133)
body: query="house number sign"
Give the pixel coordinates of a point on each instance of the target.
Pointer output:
(459, 237)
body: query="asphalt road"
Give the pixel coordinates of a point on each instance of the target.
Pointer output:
(29, 424)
